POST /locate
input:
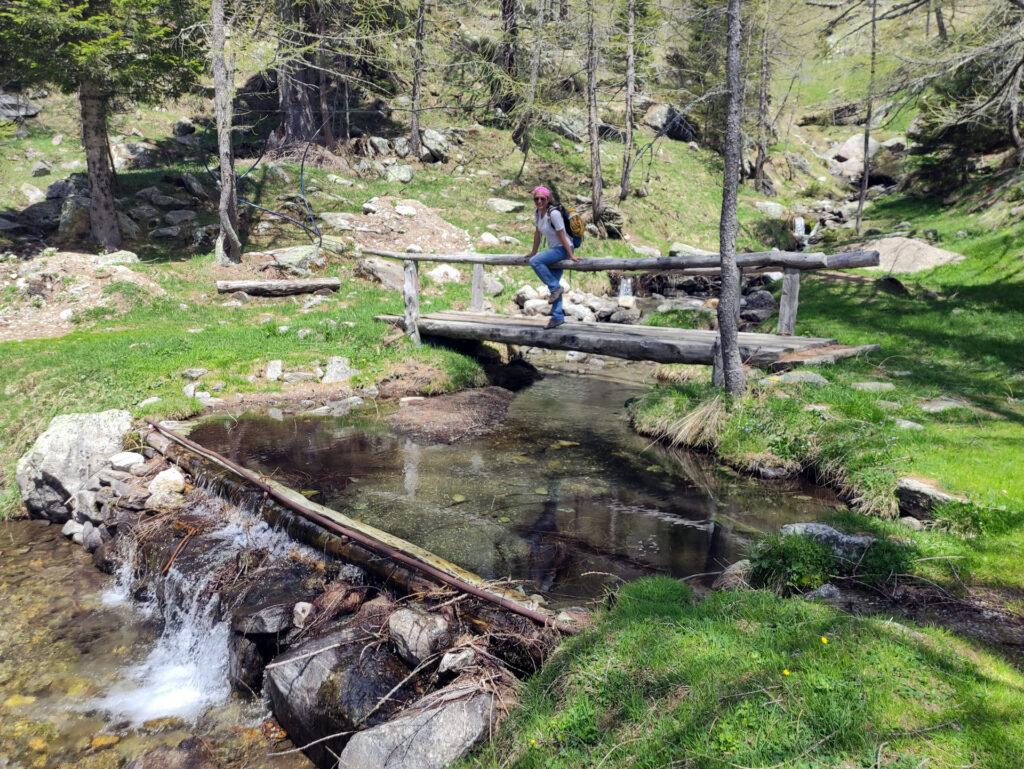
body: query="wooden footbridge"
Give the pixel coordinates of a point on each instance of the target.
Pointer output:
(662, 345)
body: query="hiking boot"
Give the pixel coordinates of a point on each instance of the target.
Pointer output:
(556, 295)
(553, 323)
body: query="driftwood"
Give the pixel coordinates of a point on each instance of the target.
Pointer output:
(278, 287)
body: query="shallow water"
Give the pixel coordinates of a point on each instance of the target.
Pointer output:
(89, 679)
(564, 496)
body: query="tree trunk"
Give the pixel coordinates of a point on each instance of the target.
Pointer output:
(295, 99)
(940, 24)
(509, 52)
(761, 183)
(866, 171)
(521, 135)
(229, 246)
(627, 151)
(417, 78)
(1014, 118)
(728, 304)
(596, 182)
(103, 224)
(325, 80)
(563, 10)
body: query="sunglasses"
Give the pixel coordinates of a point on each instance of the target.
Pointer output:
(539, 200)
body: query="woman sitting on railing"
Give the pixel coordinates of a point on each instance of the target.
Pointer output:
(551, 224)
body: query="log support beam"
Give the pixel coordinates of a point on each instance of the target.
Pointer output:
(789, 301)
(411, 295)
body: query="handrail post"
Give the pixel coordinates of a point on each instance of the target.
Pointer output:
(476, 297)
(789, 301)
(411, 295)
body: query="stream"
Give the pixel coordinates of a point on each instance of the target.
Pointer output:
(563, 497)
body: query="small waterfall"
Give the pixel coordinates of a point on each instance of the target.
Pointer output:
(626, 287)
(186, 671)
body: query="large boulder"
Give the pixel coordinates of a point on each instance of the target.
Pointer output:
(62, 460)
(389, 274)
(332, 685)
(667, 120)
(435, 733)
(435, 143)
(74, 219)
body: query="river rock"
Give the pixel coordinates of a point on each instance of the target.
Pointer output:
(849, 546)
(170, 481)
(246, 663)
(73, 449)
(456, 661)
(417, 635)
(735, 577)
(433, 734)
(189, 754)
(301, 613)
(329, 685)
(388, 274)
(72, 528)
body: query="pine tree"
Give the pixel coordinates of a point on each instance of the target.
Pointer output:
(110, 52)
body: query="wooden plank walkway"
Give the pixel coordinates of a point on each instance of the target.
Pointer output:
(650, 343)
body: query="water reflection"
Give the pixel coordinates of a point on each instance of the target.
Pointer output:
(563, 497)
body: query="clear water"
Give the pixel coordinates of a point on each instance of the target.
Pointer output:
(564, 497)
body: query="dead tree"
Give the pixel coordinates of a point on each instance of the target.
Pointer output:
(764, 128)
(229, 246)
(729, 366)
(593, 124)
(866, 171)
(417, 78)
(627, 151)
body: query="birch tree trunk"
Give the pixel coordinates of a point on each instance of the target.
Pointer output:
(866, 171)
(731, 369)
(596, 182)
(417, 79)
(229, 246)
(627, 151)
(103, 224)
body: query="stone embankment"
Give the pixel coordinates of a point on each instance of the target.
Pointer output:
(354, 670)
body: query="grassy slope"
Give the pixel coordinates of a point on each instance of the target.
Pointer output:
(662, 682)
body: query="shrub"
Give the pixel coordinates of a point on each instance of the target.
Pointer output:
(791, 564)
(883, 562)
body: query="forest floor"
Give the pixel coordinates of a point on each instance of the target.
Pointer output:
(737, 680)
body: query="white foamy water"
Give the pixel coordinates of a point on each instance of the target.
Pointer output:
(186, 672)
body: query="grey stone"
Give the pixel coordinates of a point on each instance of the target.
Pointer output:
(336, 221)
(914, 524)
(906, 424)
(827, 593)
(62, 460)
(167, 233)
(168, 201)
(126, 460)
(387, 273)
(456, 661)
(32, 194)
(338, 370)
(74, 219)
(417, 635)
(145, 215)
(669, 121)
(170, 480)
(117, 257)
(433, 734)
(15, 106)
(62, 188)
(888, 405)
(435, 143)
(503, 206)
(735, 577)
(918, 497)
(191, 753)
(41, 168)
(194, 187)
(71, 528)
(849, 546)
(129, 229)
(625, 316)
(760, 300)
(873, 387)
(331, 685)
(164, 501)
(275, 617)
(803, 377)
(401, 145)
(179, 216)
(492, 285)
(184, 127)
(274, 370)
(943, 403)
(301, 613)
(92, 538)
(195, 373)
(769, 208)
(402, 174)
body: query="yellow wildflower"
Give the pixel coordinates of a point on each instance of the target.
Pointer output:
(824, 640)
(785, 671)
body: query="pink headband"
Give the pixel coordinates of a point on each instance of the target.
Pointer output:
(543, 192)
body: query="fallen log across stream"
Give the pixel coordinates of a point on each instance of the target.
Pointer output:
(386, 551)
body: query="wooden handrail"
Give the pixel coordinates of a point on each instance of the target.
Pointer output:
(762, 259)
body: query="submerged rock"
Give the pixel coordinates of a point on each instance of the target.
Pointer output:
(73, 449)
(189, 754)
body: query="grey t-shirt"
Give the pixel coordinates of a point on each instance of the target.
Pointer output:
(550, 224)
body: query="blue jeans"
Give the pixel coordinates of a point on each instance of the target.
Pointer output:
(551, 278)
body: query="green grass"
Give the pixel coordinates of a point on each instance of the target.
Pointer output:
(661, 681)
